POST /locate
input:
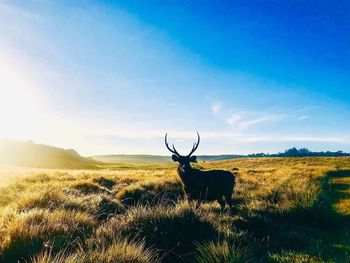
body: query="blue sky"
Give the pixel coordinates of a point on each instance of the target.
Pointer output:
(108, 77)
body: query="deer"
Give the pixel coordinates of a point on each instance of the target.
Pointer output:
(200, 185)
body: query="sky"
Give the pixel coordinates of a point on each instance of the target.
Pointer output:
(112, 77)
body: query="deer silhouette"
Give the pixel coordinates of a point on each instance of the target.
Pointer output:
(203, 185)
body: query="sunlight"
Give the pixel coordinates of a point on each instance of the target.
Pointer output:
(19, 105)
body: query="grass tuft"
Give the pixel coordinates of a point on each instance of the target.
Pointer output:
(27, 233)
(119, 251)
(174, 229)
(218, 252)
(294, 257)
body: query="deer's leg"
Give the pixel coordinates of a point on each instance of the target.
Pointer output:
(229, 200)
(222, 203)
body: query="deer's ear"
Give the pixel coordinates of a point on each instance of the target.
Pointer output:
(175, 158)
(193, 159)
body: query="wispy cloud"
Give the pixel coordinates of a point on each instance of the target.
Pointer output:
(304, 117)
(245, 119)
(15, 11)
(216, 107)
(307, 108)
(235, 118)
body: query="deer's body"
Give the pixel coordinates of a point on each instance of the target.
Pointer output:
(207, 185)
(203, 185)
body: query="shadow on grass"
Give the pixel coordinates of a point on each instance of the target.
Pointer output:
(338, 173)
(151, 193)
(318, 230)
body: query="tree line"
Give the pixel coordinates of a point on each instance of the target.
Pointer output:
(302, 152)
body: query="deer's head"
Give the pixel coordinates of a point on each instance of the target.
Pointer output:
(183, 160)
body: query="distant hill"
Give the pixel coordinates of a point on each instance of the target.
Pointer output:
(143, 158)
(42, 156)
(219, 157)
(139, 158)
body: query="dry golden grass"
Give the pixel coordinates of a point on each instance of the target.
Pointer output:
(286, 210)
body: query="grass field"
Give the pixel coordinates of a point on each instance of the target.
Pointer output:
(286, 210)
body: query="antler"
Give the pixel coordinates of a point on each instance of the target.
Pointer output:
(195, 145)
(167, 145)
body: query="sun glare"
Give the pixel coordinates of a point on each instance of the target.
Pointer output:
(19, 104)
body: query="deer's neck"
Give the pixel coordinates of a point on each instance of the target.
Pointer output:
(186, 175)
